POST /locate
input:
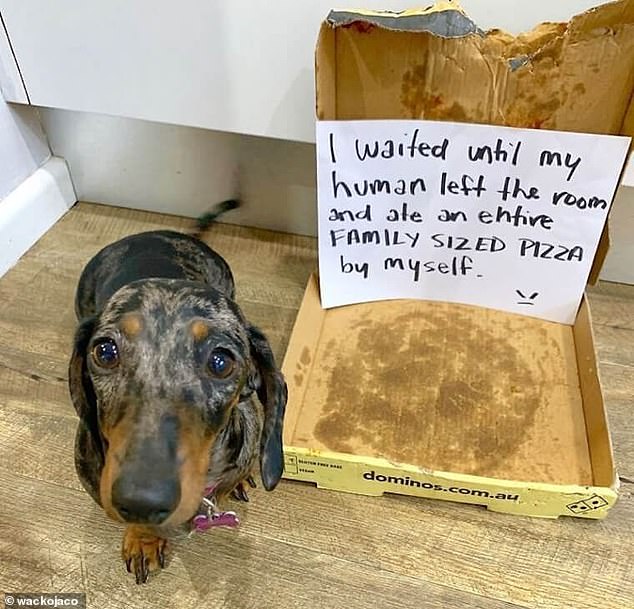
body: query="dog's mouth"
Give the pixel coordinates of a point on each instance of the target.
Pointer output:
(151, 492)
(155, 503)
(156, 479)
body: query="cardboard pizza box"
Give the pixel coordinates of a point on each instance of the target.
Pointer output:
(453, 401)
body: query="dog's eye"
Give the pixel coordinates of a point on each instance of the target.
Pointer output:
(221, 363)
(105, 353)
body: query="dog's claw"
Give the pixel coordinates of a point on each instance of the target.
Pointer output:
(140, 570)
(138, 573)
(240, 493)
(142, 552)
(145, 570)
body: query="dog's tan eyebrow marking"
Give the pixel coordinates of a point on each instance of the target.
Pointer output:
(199, 329)
(131, 324)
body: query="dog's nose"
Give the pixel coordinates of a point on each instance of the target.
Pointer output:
(146, 502)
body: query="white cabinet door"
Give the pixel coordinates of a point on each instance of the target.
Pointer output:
(232, 65)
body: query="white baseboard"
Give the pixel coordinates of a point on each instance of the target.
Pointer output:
(32, 208)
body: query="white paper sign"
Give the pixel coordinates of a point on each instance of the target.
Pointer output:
(491, 216)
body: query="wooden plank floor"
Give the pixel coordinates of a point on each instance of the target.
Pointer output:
(297, 546)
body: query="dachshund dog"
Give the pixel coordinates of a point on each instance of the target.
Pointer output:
(162, 375)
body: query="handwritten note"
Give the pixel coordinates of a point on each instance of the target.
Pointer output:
(492, 216)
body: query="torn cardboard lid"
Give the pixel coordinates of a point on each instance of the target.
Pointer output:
(436, 64)
(444, 19)
(442, 400)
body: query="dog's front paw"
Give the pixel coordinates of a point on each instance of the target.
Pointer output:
(240, 491)
(142, 552)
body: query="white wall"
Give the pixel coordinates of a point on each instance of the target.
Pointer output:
(183, 170)
(243, 67)
(619, 265)
(23, 145)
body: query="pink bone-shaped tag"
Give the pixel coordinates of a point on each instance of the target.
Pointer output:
(203, 522)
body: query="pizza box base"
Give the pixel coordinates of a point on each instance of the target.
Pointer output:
(448, 401)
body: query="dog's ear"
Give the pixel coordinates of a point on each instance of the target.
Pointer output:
(272, 392)
(89, 449)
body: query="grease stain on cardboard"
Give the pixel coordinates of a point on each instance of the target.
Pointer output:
(437, 396)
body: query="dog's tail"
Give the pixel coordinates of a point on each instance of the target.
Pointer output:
(208, 218)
